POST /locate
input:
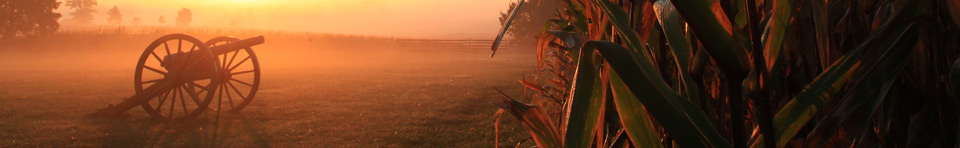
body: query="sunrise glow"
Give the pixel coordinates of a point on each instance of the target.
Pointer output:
(414, 18)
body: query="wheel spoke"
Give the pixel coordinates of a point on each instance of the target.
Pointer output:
(230, 99)
(241, 82)
(156, 56)
(196, 85)
(193, 94)
(227, 65)
(190, 53)
(219, 97)
(194, 47)
(242, 72)
(165, 46)
(162, 99)
(154, 69)
(202, 88)
(236, 90)
(183, 104)
(173, 102)
(223, 62)
(179, 45)
(152, 81)
(238, 63)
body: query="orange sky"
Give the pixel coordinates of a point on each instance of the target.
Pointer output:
(404, 18)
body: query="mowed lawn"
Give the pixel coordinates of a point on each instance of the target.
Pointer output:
(320, 93)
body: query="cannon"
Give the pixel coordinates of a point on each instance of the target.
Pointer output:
(178, 77)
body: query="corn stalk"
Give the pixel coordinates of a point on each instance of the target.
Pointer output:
(708, 73)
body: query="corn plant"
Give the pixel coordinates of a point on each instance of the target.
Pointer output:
(746, 73)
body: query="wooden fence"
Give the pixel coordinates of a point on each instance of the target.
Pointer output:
(468, 43)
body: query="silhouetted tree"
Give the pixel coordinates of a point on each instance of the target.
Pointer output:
(115, 17)
(529, 21)
(83, 10)
(162, 20)
(184, 17)
(28, 17)
(136, 20)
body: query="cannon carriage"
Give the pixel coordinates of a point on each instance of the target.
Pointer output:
(178, 77)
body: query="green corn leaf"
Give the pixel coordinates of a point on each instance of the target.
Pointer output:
(953, 8)
(862, 101)
(577, 12)
(678, 116)
(740, 18)
(954, 77)
(506, 26)
(804, 105)
(585, 104)
(617, 139)
(699, 62)
(571, 41)
(633, 117)
(782, 13)
(821, 25)
(672, 26)
(554, 24)
(954, 81)
(620, 20)
(708, 22)
(536, 120)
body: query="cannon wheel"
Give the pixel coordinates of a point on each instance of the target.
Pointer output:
(171, 104)
(241, 77)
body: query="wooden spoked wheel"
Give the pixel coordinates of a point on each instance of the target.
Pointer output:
(240, 72)
(184, 73)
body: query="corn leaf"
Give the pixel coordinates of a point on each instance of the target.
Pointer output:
(678, 116)
(707, 20)
(954, 82)
(804, 105)
(953, 8)
(620, 20)
(506, 26)
(954, 77)
(672, 26)
(585, 104)
(780, 21)
(535, 119)
(870, 90)
(821, 25)
(633, 117)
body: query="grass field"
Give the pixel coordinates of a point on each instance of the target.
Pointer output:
(324, 93)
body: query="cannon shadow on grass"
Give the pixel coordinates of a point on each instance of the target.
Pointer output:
(146, 132)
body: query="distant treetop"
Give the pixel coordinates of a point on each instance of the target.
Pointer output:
(115, 17)
(184, 17)
(83, 10)
(28, 18)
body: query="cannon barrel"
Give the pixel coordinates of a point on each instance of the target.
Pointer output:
(174, 61)
(236, 45)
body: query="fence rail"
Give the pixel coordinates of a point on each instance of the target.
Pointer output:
(469, 43)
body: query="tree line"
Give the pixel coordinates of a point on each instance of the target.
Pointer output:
(30, 18)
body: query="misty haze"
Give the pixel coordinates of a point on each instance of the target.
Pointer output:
(367, 73)
(480, 73)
